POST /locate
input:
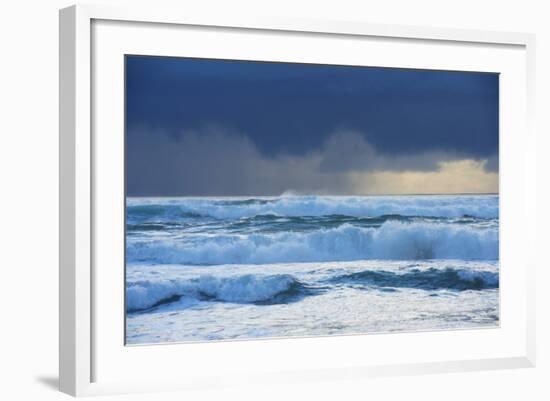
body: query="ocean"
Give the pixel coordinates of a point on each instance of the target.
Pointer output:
(200, 269)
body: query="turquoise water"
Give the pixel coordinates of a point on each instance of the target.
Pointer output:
(229, 268)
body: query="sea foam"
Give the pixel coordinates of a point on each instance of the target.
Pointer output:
(393, 240)
(269, 289)
(230, 208)
(248, 288)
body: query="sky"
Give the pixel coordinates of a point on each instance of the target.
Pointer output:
(203, 127)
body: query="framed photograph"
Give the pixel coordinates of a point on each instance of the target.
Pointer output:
(271, 200)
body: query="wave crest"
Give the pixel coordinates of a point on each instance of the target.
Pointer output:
(393, 240)
(430, 279)
(422, 206)
(260, 289)
(145, 294)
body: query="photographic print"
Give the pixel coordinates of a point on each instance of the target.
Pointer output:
(274, 199)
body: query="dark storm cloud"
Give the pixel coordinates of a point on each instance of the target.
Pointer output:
(350, 151)
(213, 162)
(274, 126)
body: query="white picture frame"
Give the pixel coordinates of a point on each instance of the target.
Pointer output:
(86, 350)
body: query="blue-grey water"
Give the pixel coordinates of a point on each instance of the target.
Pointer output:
(234, 268)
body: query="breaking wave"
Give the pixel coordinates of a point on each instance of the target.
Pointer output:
(144, 295)
(273, 289)
(423, 206)
(430, 279)
(392, 240)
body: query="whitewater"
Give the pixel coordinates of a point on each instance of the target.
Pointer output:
(201, 269)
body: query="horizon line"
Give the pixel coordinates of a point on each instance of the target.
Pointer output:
(302, 195)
